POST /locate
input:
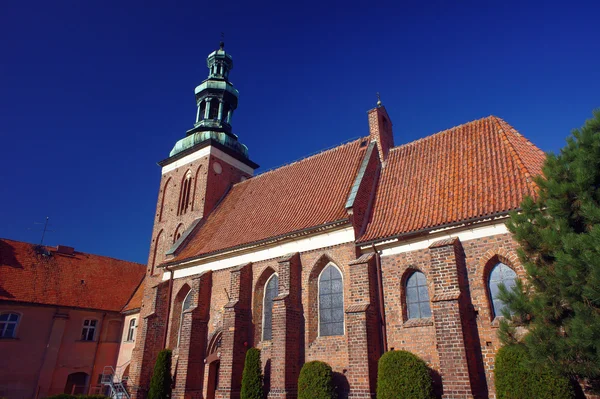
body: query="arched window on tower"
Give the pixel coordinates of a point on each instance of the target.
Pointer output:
(500, 274)
(271, 291)
(417, 297)
(331, 302)
(214, 109)
(184, 196)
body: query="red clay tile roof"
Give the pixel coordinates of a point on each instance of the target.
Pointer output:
(82, 280)
(135, 303)
(304, 194)
(471, 171)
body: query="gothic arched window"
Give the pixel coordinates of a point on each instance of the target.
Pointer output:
(271, 291)
(187, 303)
(184, 196)
(331, 302)
(500, 274)
(417, 297)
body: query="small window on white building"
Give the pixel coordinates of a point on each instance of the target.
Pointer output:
(8, 325)
(89, 330)
(131, 331)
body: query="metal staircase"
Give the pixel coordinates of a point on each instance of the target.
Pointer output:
(110, 379)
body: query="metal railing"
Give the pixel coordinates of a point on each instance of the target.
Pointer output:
(117, 389)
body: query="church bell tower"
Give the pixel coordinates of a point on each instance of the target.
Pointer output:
(203, 165)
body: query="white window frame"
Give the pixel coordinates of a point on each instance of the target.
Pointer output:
(132, 330)
(262, 326)
(88, 328)
(16, 323)
(319, 301)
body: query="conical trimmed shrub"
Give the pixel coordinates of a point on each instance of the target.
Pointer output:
(160, 384)
(252, 379)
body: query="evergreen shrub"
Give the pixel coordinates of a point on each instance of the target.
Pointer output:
(517, 379)
(402, 374)
(316, 381)
(160, 384)
(252, 379)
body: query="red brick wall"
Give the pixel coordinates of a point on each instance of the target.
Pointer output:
(470, 311)
(479, 256)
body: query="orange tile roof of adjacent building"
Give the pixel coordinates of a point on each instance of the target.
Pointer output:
(304, 194)
(135, 303)
(478, 169)
(79, 280)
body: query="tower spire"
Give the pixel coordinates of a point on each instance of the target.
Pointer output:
(216, 100)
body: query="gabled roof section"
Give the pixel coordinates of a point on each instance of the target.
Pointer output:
(305, 194)
(37, 274)
(475, 170)
(135, 303)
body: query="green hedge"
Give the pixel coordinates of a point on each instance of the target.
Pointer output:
(252, 379)
(316, 381)
(160, 384)
(515, 379)
(403, 375)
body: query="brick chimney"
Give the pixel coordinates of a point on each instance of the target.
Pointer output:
(380, 129)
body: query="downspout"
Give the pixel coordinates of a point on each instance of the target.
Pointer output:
(89, 384)
(381, 303)
(168, 305)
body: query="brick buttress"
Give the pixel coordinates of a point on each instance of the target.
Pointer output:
(193, 339)
(362, 329)
(237, 323)
(287, 335)
(448, 315)
(150, 340)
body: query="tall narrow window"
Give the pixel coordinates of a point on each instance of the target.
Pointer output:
(89, 330)
(500, 274)
(184, 196)
(417, 297)
(187, 303)
(8, 325)
(271, 291)
(131, 331)
(331, 302)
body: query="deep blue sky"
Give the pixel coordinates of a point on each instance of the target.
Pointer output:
(94, 93)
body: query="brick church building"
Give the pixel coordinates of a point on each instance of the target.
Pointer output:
(341, 256)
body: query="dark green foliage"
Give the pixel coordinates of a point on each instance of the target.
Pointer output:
(403, 375)
(559, 236)
(517, 379)
(316, 381)
(68, 396)
(252, 379)
(160, 384)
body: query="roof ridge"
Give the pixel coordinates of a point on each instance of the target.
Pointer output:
(299, 160)
(513, 151)
(445, 131)
(53, 248)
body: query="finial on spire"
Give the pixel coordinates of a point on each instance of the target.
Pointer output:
(222, 43)
(378, 100)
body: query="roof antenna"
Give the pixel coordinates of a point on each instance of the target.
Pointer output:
(222, 43)
(45, 229)
(378, 100)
